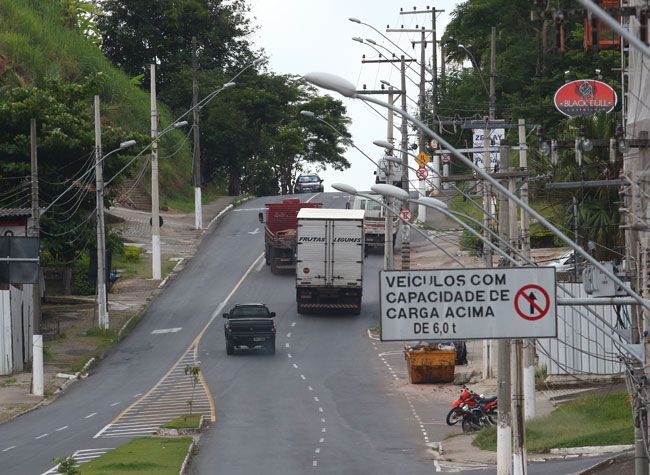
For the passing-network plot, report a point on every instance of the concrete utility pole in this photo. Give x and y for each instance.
(388, 235)
(196, 158)
(102, 307)
(406, 242)
(529, 345)
(155, 200)
(493, 73)
(504, 427)
(488, 345)
(35, 228)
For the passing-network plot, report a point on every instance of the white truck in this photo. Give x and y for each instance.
(374, 222)
(329, 260)
(382, 172)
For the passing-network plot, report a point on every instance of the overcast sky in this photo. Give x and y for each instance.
(302, 36)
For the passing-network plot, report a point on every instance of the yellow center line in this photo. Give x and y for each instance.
(195, 348)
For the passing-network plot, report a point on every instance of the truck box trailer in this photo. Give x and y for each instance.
(280, 233)
(374, 220)
(329, 263)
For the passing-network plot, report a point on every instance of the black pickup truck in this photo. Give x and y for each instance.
(249, 325)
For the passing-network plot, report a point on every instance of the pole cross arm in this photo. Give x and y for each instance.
(408, 30)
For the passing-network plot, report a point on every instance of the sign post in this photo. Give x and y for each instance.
(462, 304)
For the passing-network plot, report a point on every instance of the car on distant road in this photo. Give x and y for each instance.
(308, 183)
(567, 262)
(250, 325)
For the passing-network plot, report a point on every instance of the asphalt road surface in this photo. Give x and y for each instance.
(324, 402)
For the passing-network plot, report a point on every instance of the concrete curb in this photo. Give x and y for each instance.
(603, 463)
(220, 215)
(186, 461)
(592, 450)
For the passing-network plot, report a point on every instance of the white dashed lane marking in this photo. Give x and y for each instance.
(161, 331)
(41, 436)
(61, 428)
(9, 448)
(90, 415)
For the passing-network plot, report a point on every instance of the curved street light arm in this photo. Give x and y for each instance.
(475, 63)
(347, 89)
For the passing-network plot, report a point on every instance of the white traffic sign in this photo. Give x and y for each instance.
(446, 158)
(405, 214)
(460, 304)
(421, 173)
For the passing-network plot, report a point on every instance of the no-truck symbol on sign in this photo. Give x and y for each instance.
(532, 302)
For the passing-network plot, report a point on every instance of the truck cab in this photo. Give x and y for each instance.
(249, 325)
(374, 220)
(382, 172)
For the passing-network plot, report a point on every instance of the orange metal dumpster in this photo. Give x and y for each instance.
(430, 366)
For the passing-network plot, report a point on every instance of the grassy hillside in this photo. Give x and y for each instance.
(34, 44)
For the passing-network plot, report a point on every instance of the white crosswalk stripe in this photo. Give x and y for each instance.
(81, 456)
(168, 400)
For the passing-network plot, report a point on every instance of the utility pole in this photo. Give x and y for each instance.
(102, 308)
(35, 228)
(504, 427)
(196, 158)
(421, 140)
(155, 199)
(388, 235)
(529, 345)
(488, 345)
(406, 242)
(493, 73)
(520, 466)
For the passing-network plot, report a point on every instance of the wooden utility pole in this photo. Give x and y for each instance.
(155, 199)
(102, 307)
(196, 158)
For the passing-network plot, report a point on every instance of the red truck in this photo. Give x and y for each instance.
(280, 233)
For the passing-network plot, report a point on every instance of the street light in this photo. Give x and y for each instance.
(347, 89)
(350, 190)
(102, 300)
(475, 63)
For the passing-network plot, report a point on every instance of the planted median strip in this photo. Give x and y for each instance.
(159, 455)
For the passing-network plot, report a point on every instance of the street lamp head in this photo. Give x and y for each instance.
(390, 191)
(332, 82)
(432, 202)
(393, 159)
(357, 39)
(127, 144)
(371, 41)
(229, 85)
(178, 125)
(350, 190)
(309, 114)
(384, 144)
(354, 20)
(258, 61)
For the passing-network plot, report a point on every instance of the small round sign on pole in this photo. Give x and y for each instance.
(433, 144)
(422, 173)
(405, 214)
(446, 159)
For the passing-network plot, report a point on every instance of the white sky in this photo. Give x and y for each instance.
(302, 36)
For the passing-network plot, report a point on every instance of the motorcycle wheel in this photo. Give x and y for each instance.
(454, 417)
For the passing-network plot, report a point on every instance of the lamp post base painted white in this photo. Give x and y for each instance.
(422, 210)
(102, 310)
(504, 450)
(529, 392)
(37, 365)
(155, 257)
(198, 211)
(436, 175)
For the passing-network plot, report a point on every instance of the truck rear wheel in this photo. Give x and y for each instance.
(230, 348)
(274, 269)
(270, 348)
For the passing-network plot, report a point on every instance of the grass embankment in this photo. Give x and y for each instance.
(183, 422)
(146, 455)
(587, 421)
(35, 44)
(136, 264)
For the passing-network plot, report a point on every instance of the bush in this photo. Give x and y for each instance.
(132, 253)
(469, 242)
(81, 284)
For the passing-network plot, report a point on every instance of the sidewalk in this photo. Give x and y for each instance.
(456, 451)
(75, 315)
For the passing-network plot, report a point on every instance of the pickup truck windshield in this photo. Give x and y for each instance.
(249, 312)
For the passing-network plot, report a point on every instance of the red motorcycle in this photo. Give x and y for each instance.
(473, 410)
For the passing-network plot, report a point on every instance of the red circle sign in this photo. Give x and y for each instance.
(422, 173)
(532, 302)
(405, 214)
(446, 158)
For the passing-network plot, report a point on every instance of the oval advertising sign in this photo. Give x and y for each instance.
(585, 97)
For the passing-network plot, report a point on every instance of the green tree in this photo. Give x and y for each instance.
(256, 137)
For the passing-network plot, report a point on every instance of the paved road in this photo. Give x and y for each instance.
(325, 402)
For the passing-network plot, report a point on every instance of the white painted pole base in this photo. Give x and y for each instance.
(37, 365)
(529, 392)
(487, 358)
(504, 450)
(445, 172)
(422, 210)
(155, 257)
(519, 464)
(436, 175)
(198, 211)
(102, 310)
